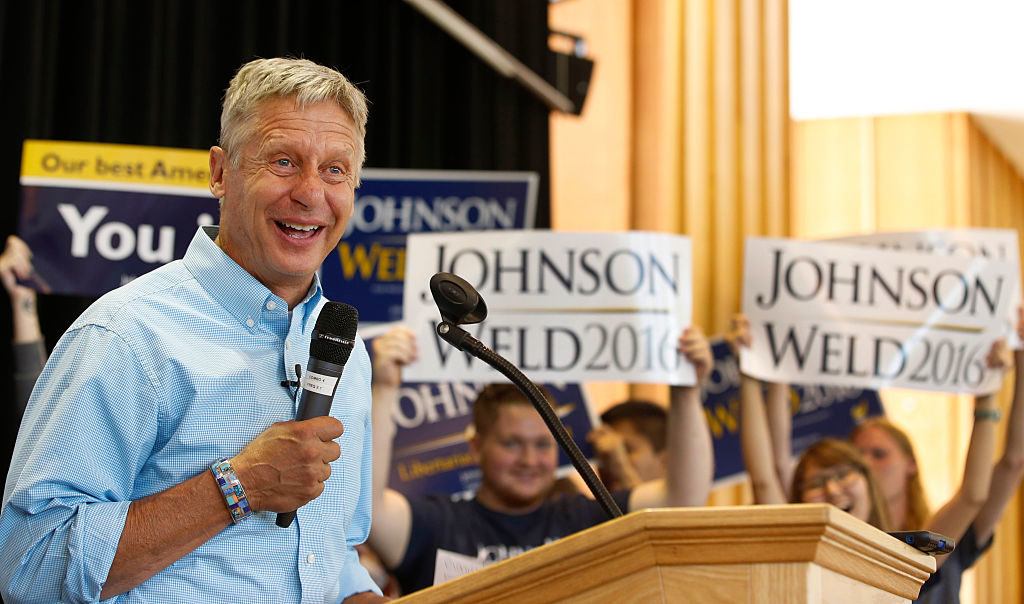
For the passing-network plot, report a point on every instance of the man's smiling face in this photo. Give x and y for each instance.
(285, 206)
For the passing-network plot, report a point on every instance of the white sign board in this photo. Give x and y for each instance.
(995, 244)
(828, 313)
(562, 307)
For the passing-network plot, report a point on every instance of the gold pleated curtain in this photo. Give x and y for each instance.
(732, 167)
(712, 144)
(940, 170)
(997, 194)
(687, 130)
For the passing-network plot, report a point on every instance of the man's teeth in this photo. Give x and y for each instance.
(300, 227)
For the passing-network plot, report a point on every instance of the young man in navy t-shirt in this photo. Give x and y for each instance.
(512, 511)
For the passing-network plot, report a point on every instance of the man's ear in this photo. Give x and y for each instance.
(218, 162)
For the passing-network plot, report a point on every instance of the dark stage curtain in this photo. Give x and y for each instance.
(154, 72)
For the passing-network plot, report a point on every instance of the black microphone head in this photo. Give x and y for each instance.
(335, 333)
(458, 301)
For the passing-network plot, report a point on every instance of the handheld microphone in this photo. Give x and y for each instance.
(333, 338)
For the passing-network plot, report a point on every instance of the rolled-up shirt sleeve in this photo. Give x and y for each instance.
(89, 427)
(354, 578)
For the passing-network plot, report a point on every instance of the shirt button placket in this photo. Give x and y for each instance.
(309, 576)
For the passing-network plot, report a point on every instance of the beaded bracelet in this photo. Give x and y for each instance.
(987, 414)
(231, 488)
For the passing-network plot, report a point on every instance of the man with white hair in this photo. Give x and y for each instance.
(159, 443)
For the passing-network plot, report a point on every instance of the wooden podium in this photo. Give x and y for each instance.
(756, 554)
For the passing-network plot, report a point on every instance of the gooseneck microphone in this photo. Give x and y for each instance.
(461, 304)
(333, 338)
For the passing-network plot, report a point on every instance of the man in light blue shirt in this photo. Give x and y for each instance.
(160, 425)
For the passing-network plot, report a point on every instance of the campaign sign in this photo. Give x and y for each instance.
(853, 316)
(818, 412)
(97, 216)
(368, 268)
(106, 238)
(563, 307)
(996, 244)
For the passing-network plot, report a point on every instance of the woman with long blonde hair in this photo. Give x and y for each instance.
(833, 471)
(888, 451)
(972, 513)
(876, 479)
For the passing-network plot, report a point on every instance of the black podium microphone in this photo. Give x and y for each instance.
(461, 304)
(333, 338)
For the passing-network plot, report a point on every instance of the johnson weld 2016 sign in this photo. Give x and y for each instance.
(849, 315)
(563, 307)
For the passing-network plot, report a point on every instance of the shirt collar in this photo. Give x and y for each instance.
(232, 286)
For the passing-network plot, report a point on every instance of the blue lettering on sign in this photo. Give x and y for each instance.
(90, 241)
(367, 269)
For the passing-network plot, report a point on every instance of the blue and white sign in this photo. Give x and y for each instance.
(368, 268)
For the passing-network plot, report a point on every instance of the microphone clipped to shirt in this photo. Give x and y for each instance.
(333, 339)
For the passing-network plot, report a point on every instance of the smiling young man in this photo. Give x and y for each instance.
(512, 511)
(158, 444)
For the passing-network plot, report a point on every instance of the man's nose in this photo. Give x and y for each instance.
(309, 188)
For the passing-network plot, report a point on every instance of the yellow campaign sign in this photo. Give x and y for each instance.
(108, 163)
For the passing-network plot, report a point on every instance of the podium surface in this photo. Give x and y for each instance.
(757, 554)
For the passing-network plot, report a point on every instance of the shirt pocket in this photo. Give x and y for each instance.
(217, 406)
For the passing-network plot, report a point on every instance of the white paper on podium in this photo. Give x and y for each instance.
(451, 565)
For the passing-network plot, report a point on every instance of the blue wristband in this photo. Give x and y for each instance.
(992, 415)
(234, 494)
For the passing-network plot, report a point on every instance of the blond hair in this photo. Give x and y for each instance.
(301, 79)
(831, 452)
(918, 511)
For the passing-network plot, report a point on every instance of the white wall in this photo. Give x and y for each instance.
(874, 57)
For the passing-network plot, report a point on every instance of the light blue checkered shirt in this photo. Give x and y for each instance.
(147, 388)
